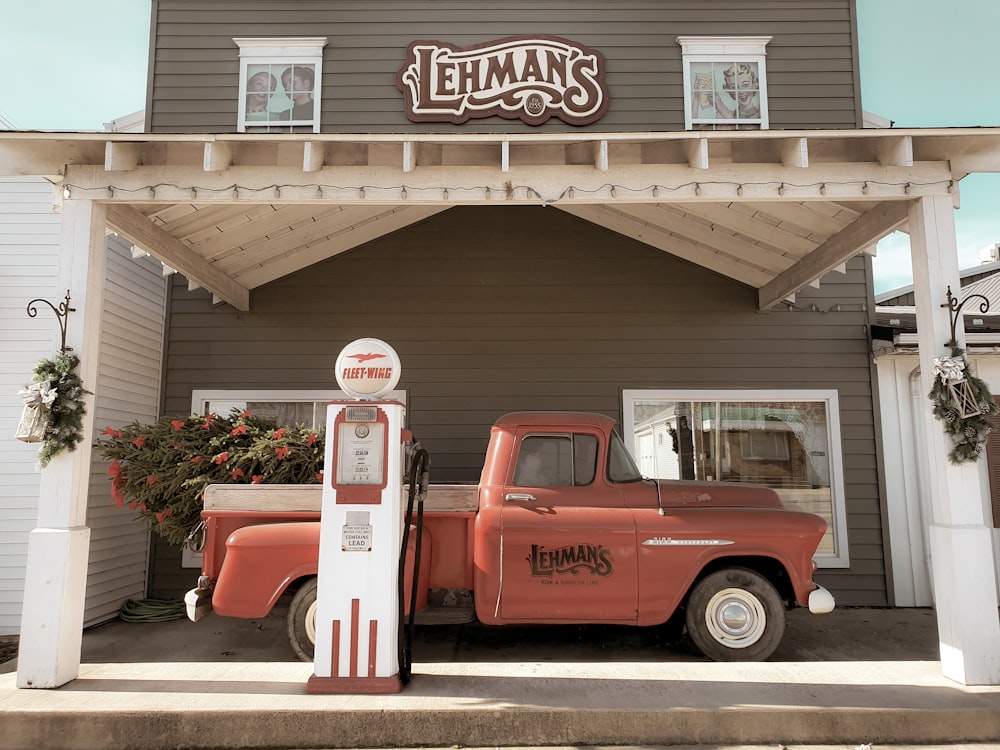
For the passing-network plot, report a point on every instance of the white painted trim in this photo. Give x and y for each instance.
(724, 46)
(841, 556)
(200, 396)
(908, 503)
(260, 46)
(723, 49)
(304, 51)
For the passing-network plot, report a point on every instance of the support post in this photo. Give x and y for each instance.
(58, 548)
(961, 543)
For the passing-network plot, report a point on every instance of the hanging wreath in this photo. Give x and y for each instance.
(962, 402)
(53, 407)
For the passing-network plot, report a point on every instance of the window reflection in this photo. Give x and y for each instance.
(779, 444)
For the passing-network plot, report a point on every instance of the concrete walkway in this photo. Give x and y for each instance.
(854, 677)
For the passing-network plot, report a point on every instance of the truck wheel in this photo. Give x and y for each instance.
(302, 620)
(735, 614)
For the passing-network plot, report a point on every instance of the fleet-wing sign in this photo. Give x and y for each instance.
(526, 78)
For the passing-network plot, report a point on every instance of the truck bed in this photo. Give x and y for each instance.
(449, 518)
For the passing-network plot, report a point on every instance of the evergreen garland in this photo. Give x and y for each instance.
(161, 470)
(64, 430)
(967, 434)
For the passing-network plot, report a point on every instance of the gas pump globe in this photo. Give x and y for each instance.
(361, 528)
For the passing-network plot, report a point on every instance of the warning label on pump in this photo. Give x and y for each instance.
(357, 539)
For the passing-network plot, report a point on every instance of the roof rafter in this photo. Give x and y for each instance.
(658, 237)
(135, 227)
(862, 232)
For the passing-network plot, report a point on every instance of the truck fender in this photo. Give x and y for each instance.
(260, 563)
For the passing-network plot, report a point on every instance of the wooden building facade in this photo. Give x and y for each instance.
(659, 210)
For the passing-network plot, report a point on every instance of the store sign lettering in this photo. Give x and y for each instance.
(526, 78)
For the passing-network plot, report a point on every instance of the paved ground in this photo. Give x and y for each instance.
(843, 635)
(852, 678)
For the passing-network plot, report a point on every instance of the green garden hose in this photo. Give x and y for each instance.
(151, 610)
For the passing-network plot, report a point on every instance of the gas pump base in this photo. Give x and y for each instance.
(354, 685)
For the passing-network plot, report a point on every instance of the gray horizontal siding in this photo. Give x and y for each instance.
(502, 309)
(810, 63)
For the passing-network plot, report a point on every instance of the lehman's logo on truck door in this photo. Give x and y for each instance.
(570, 559)
(530, 78)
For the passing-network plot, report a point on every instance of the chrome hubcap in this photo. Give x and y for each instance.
(735, 618)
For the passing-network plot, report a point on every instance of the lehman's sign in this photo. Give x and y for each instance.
(527, 78)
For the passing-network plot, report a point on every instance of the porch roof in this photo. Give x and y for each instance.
(776, 210)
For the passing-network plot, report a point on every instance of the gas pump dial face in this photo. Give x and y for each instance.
(361, 455)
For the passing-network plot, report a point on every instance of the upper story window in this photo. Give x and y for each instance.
(279, 84)
(725, 82)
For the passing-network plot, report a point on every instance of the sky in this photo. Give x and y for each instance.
(924, 63)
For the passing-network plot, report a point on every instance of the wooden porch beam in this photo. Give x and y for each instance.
(601, 155)
(313, 156)
(135, 227)
(895, 152)
(121, 156)
(218, 156)
(865, 231)
(795, 152)
(697, 153)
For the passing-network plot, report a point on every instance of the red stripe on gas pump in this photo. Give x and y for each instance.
(355, 621)
(372, 646)
(335, 658)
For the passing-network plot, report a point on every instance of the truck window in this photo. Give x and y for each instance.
(556, 461)
(584, 459)
(621, 468)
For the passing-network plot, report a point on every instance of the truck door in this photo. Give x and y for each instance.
(568, 546)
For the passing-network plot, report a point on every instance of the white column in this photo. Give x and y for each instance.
(961, 542)
(58, 548)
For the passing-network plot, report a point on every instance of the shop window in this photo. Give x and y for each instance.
(280, 84)
(725, 83)
(786, 440)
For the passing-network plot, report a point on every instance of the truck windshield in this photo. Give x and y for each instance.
(621, 467)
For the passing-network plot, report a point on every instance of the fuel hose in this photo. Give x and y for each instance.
(419, 478)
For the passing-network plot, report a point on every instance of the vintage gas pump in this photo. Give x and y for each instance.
(361, 528)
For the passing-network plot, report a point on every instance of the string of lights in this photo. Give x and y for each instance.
(507, 191)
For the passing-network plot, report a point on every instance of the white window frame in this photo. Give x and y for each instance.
(240, 396)
(724, 49)
(840, 558)
(283, 52)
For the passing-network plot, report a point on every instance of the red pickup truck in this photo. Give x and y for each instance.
(562, 528)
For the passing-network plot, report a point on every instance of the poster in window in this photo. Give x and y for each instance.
(280, 93)
(725, 91)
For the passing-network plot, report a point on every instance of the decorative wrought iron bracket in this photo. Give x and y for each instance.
(955, 309)
(62, 312)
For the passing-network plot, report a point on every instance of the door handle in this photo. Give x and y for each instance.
(519, 497)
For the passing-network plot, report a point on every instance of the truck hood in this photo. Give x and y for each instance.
(679, 493)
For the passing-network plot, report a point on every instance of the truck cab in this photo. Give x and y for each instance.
(569, 531)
